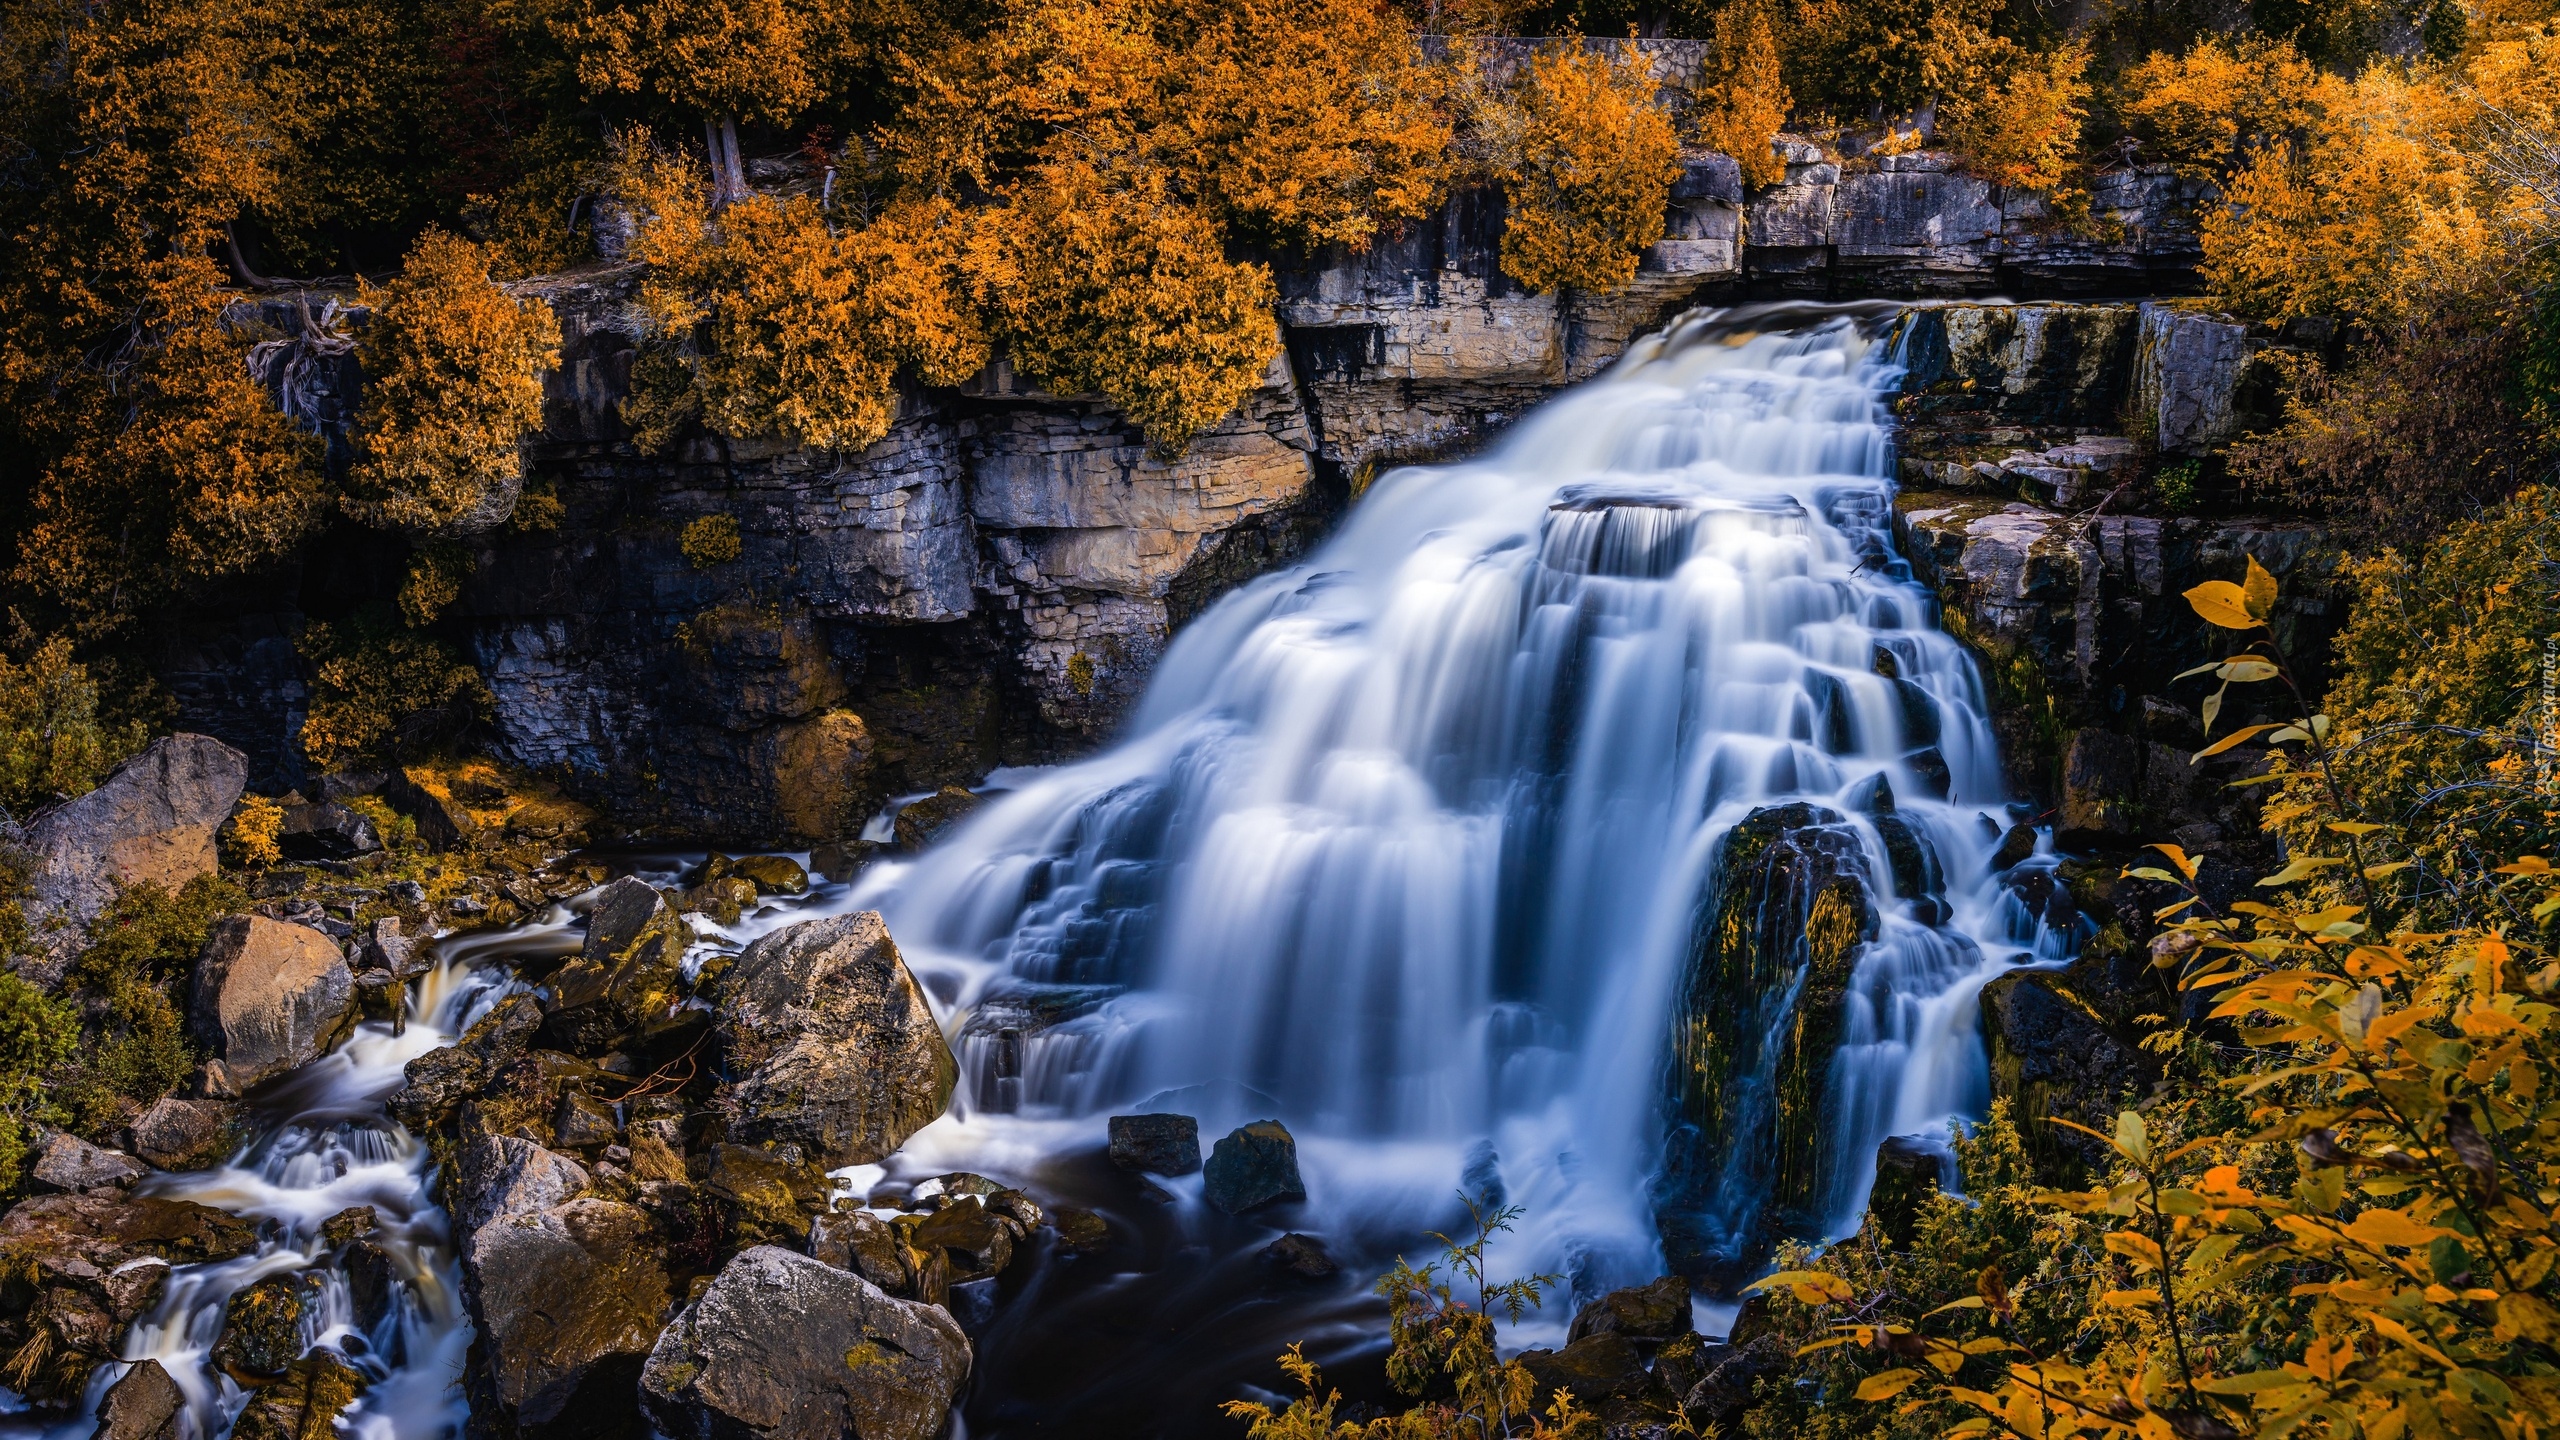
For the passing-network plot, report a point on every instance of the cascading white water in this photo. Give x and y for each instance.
(1408, 845)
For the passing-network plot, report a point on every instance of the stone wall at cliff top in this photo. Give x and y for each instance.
(993, 581)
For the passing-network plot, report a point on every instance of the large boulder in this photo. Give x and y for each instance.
(93, 1264)
(262, 1326)
(568, 1300)
(177, 1134)
(2197, 378)
(68, 1162)
(152, 820)
(786, 1347)
(1255, 1165)
(626, 979)
(1655, 1311)
(269, 997)
(303, 1404)
(833, 1043)
(503, 1175)
(2053, 1054)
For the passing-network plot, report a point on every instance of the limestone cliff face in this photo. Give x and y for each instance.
(993, 581)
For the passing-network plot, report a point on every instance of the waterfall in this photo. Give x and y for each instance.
(1436, 846)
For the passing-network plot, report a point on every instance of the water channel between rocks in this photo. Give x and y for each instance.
(1604, 826)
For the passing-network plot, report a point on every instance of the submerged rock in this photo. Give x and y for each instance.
(1302, 1255)
(269, 998)
(1156, 1144)
(835, 1048)
(444, 1077)
(1254, 1166)
(785, 1347)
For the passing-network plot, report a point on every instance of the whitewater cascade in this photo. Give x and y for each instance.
(1415, 846)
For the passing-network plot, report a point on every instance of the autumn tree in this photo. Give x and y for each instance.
(2013, 113)
(452, 368)
(1743, 98)
(723, 60)
(1586, 162)
(2219, 105)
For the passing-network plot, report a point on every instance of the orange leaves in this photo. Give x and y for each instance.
(2218, 103)
(2015, 114)
(1586, 163)
(453, 369)
(1742, 96)
(750, 59)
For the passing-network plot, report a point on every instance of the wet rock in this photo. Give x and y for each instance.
(2052, 1054)
(132, 1289)
(1907, 1170)
(834, 1045)
(1598, 1369)
(978, 1240)
(770, 874)
(866, 1245)
(268, 998)
(2016, 844)
(1730, 1384)
(262, 1326)
(91, 1264)
(349, 1225)
(627, 977)
(303, 1404)
(382, 947)
(152, 819)
(444, 1077)
(785, 1347)
(1079, 1232)
(326, 831)
(724, 899)
(1655, 1311)
(503, 1175)
(568, 1301)
(68, 1162)
(583, 1122)
(1790, 909)
(373, 1282)
(921, 822)
(772, 1194)
(1156, 1144)
(1254, 1166)
(107, 1231)
(2101, 789)
(1301, 1255)
(144, 1405)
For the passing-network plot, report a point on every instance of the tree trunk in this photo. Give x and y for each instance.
(737, 166)
(719, 165)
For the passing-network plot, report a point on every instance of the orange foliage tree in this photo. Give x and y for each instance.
(1743, 97)
(1586, 161)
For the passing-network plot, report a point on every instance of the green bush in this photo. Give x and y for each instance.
(132, 981)
(37, 1033)
(52, 742)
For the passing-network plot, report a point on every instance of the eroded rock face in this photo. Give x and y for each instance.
(2200, 379)
(834, 1045)
(444, 1077)
(785, 1347)
(568, 1298)
(2053, 1053)
(269, 997)
(98, 1262)
(152, 820)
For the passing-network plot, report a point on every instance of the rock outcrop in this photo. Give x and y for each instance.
(269, 998)
(93, 1264)
(627, 978)
(2054, 1054)
(834, 1046)
(784, 1347)
(152, 820)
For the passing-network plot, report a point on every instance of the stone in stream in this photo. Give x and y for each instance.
(144, 1405)
(834, 1046)
(1301, 1255)
(568, 1300)
(68, 1162)
(262, 1326)
(1254, 1166)
(446, 1076)
(303, 1404)
(921, 822)
(269, 998)
(1156, 1144)
(626, 979)
(771, 874)
(863, 1244)
(1655, 1311)
(1792, 906)
(783, 1347)
(1907, 1169)
(153, 819)
(1599, 1370)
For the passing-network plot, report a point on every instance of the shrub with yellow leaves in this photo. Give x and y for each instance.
(2371, 1253)
(453, 383)
(381, 691)
(1742, 95)
(1586, 161)
(2012, 113)
(53, 745)
(1107, 284)
(2218, 105)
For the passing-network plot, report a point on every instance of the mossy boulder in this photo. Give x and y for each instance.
(2054, 1054)
(303, 1404)
(626, 978)
(262, 1326)
(1776, 938)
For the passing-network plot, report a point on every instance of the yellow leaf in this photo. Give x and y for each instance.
(2391, 1329)
(2353, 827)
(2526, 865)
(1886, 1385)
(2226, 742)
(2258, 591)
(2140, 1249)
(2391, 1227)
(2128, 1299)
(2222, 603)
(2523, 1315)
(2376, 872)
(2302, 867)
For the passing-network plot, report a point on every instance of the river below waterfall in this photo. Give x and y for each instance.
(1426, 848)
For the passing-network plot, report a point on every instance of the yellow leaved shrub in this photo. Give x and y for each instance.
(1586, 161)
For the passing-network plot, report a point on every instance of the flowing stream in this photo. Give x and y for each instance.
(1414, 847)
